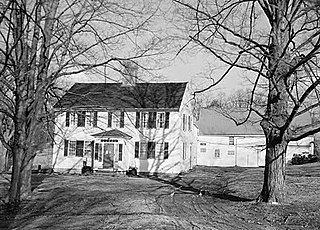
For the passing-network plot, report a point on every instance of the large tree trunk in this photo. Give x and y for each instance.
(274, 174)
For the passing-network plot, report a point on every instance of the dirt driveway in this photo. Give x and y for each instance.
(205, 198)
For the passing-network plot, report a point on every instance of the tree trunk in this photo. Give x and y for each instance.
(274, 173)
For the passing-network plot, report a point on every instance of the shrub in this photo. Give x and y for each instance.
(299, 159)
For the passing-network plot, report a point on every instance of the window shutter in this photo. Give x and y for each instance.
(120, 152)
(109, 119)
(66, 144)
(166, 150)
(149, 120)
(137, 120)
(121, 119)
(95, 119)
(67, 119)
(136, 149)
(166, 124)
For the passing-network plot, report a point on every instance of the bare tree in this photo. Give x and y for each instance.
(277, 43)
(42, 41)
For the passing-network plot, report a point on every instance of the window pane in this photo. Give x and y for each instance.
(87, 147)
(184, 122)
(95, 119)
(145, 120)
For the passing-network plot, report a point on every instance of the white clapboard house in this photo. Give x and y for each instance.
(115, 126)
(223, 143)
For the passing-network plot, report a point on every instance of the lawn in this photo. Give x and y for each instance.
(204, 198)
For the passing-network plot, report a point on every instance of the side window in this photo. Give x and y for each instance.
(166, 150)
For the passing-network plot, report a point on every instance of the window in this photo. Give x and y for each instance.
(230, 153)
(72, 148)
(151, 150)
(217, 153)
(203, 144)
(203, 150)
(160, 120)
(166, 150)
(120, 152)
(121, 119)
(231, 140)
(91, 118)
(145, 117)
(98, 152)
(184, 151)
(79, 148)
(73, 118)
(109, 119)
(184, 122)
(87, 148)
(136, 150)
(81, 118)
(152, 121)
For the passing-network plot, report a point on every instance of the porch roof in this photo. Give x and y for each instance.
(114, 133)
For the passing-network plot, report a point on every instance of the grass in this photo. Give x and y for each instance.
(204, 198)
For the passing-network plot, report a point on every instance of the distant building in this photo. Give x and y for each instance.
(114, 126)
(223, 143)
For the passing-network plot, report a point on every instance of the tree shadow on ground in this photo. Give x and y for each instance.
(8, 212)
(220, 193)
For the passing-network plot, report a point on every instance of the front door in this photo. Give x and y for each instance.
(108, 155)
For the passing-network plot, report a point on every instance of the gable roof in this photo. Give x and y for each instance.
(118, 96)
(114, 133)
(214, 123)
